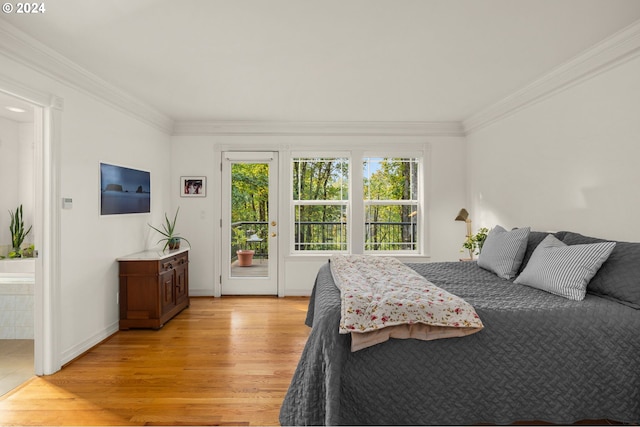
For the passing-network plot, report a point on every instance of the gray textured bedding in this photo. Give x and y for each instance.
(539, 357)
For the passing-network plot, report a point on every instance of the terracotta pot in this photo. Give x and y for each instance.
(245, 257)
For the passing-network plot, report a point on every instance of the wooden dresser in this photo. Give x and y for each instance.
(154, 287)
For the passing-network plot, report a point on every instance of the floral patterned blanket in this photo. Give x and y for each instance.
(382, 292)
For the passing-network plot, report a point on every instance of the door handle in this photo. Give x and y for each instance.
(273, 234)
(273, 223)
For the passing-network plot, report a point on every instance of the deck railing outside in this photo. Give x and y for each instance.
(250, 228)
(323, 236)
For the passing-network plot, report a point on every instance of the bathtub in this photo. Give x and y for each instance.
(17, 281)
(17, 265)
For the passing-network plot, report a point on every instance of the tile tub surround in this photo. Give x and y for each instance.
(17, 265)
(16, 299)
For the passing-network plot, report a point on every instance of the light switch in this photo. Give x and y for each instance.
(67, 203)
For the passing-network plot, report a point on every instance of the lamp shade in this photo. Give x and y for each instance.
(463, 215)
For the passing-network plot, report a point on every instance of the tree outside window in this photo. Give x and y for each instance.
(390, 206)
(320, 203)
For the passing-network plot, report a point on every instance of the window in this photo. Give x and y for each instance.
(320, 203)
(391, 204)
(374, 209)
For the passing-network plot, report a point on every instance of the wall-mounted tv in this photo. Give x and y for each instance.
(124, 190)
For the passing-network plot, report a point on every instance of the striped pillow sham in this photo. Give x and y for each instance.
(503, 250)
(562, 269)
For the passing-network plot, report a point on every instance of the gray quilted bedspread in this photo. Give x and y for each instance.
(540, 357)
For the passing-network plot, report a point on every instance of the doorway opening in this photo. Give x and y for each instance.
(249, 223)
(18, 142)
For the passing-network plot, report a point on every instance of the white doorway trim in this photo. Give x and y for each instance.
(265, 281)
(47, 125)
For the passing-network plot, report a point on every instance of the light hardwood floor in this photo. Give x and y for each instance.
(222, 361)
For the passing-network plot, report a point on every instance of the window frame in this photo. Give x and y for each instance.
(418, 202)
(356, 204)
(334, 202)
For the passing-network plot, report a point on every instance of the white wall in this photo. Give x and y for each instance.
(447, 195)
(16, 176)
(91, 132)
(196, 156)
(25, 176)
(445, 181)
(94, 133)
(9, 155)
(569, 162)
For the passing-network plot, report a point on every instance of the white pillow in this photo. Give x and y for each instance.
(503, 250)
(563, 269)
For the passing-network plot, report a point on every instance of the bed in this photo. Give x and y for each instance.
(539, 357)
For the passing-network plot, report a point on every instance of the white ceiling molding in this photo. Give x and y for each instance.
(318, 128)
(18, 90)
(26, 50)
(603, 56)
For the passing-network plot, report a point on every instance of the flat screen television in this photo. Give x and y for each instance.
(124, 190)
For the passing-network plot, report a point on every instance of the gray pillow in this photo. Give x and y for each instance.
(503, 250)
(535, 237)
(619, 278)
(562, 269)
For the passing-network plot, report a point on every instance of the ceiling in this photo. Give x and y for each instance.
(8, 106)
(323, 60)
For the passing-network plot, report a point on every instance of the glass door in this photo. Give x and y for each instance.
(249, 223)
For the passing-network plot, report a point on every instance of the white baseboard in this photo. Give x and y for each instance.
(81, 348)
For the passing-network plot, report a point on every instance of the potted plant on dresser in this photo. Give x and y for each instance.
(171, 238)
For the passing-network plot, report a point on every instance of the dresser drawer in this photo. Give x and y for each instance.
(173, 262)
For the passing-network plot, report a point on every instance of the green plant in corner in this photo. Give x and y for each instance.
(474, 243)
(171, 238)
(239, 238)
(17, 233)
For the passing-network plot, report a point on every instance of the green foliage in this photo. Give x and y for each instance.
(18, 234)
(474, 243)
(250, 192)
(169, 231)
(388, 226)
(321, 179)
(391, 179)
(249, 202)
(239, 237)
(323, 226)
(29, 251)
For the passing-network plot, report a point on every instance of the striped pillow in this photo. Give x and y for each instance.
(503, 250)
(562, 269)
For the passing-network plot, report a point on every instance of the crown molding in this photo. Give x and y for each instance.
(18, 90)
(603, 56)
(609, 53)
(317, 128)
(24, 49)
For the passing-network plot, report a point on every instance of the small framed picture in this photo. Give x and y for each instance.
(193, 186)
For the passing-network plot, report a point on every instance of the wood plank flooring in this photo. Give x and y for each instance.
(222, 361)
(259, 268)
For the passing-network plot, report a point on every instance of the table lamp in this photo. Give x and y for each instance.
(463, 215)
